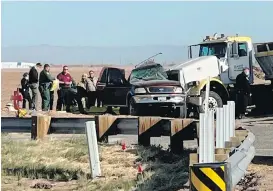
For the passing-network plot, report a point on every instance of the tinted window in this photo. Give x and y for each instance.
(242, 49)
(114, 74)
(261, 48)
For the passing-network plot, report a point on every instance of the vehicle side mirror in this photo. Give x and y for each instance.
(235, 51)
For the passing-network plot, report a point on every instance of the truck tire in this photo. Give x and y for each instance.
(214, 101)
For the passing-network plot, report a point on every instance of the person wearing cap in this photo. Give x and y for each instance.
(33, 84)
(25, 90)
(243, 92)
(45, 81)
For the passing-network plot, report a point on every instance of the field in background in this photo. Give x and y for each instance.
(11, 79)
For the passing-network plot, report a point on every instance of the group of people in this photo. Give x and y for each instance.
(69, 93)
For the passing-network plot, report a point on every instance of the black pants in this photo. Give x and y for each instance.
(51, 100)
(62, 98)
(91, 99)
(242, 103)
(26, 97)
(99, 98)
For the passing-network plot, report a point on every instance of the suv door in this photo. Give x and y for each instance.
(116, 89)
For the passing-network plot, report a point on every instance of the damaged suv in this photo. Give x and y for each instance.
(146, 92)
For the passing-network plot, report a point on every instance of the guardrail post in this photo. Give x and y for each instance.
(145, 126)
(93, 149)
(231, 105)
(226, 123)
(177, 136)
(220, 143)
(40, 126)
(202, 148)
(105, 124)
(211, 139)
(210, 176)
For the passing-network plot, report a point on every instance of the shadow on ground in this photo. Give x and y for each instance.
(268, 160)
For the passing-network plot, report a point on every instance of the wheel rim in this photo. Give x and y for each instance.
(212, 104)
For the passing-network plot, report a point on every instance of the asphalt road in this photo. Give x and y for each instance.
(262, 128)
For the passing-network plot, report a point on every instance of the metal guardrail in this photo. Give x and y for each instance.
(64, 125)
(240, 155)
(241, 159)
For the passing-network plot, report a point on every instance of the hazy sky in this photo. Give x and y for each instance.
(131, 23)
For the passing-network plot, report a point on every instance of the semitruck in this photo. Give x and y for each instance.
(222, 58)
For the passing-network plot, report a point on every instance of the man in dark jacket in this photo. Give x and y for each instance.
(45, 82)
(33, 84)
(25, 91)
(243, 92)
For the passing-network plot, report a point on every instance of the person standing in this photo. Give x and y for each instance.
(65, 81)
(243, 92)
(33, 84)
(25, 91)
(45, 81)
(92, 93)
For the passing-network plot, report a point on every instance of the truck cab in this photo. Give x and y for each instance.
(221, 58)
(147, 87)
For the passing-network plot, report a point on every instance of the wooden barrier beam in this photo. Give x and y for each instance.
(104, 123)
(145, 125)
(241, 133)
(177, 136)
(193, 158)
(221, 157)
(222, 150)
(40, 126)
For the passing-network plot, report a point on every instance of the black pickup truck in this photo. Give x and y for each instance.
(146, 92)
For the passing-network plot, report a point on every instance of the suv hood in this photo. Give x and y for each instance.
(156, 83)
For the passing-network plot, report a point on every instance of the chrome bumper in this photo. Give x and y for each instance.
(160, 99)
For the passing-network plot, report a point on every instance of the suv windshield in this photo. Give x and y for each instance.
(155, 72)
(215, 49)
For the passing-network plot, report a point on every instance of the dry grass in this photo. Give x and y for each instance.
(64, 165)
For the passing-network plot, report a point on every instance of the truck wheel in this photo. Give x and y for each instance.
(132, 110)
(214, 101)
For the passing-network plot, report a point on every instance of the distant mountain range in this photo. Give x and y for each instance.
(93, 55)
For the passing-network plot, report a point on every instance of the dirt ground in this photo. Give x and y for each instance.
(11, 80)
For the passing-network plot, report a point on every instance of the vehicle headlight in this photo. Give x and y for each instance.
(177, 90)
(140, 91)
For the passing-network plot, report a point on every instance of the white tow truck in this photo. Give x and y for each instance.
(222, 58)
